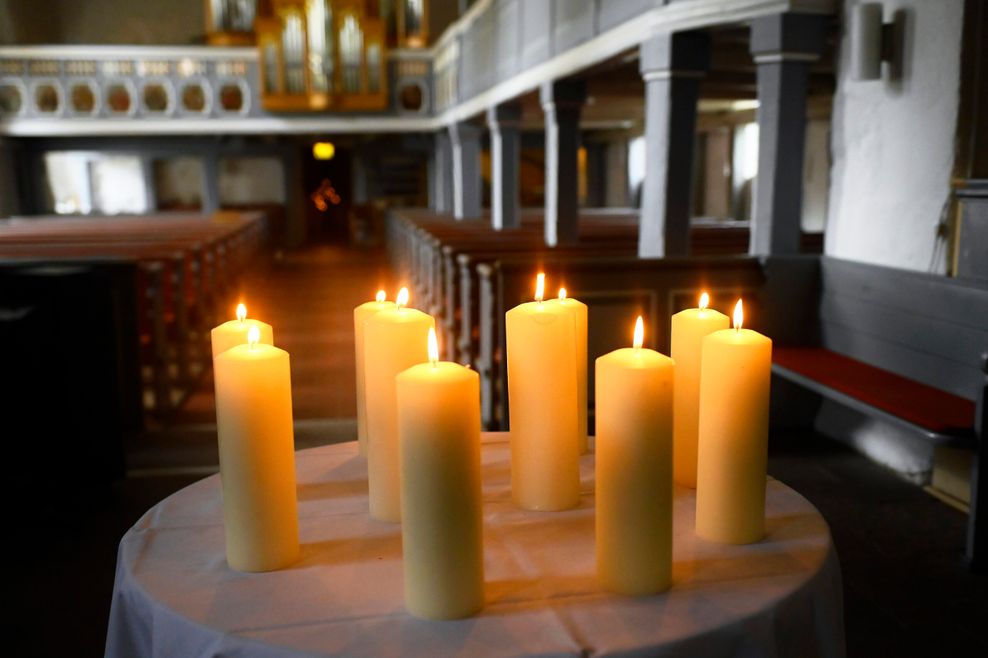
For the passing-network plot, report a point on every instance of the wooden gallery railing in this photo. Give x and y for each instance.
(173, 278)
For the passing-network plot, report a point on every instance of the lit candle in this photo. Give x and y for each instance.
(360, 315)
(394, 339)
(634, 469)
(733, 434)
(542, 398)
(579, 312)
(234, 332)
(257, 455)
(688, 330)
(441, 511)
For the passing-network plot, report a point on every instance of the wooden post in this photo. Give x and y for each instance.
(465, 138)
(673, 66)
(783, 46)
(561, 103)
(441, 178)
(977, 528)
(504, 122)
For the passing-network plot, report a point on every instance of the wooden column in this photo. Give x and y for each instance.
(673, 66)
(783, 47)
(465, 138)
(977, 529)
(617, 189)
(596, 174)
(441, 174)
(9, 197)
(358, 175)
(561, 103)
(504, 122)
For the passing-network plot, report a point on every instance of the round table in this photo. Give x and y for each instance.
(175, 595)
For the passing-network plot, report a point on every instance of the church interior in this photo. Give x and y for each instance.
(816, 171)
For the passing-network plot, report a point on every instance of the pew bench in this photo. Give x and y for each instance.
(182, 268)
(615, 289)
(906, 349)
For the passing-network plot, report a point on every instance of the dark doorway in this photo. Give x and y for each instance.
(327, 185)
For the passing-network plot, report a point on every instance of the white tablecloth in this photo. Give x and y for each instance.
(175, 596)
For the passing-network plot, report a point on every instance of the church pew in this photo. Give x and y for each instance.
(616, 289)
(185, 269)
(907, 351)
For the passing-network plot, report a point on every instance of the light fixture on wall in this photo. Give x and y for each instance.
(871, 41)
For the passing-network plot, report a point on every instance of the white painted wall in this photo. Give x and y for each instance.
(892, 143)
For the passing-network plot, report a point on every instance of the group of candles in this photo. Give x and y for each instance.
(699, 418)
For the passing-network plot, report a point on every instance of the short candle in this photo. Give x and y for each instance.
(234, 332)
(542, 397)
(360, 315)
(441, 510)
(579, 312)
(689, 327)
(257, 455)
(394, 339)
(733, 434)
(634, 469)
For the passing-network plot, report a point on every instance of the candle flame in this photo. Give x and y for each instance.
(562, 293)
(253, 336)
(639, 333)
(704, 300)
(241, 313)
(381, 296)
(539, 286)
(738, 316)
(402, 300)
(433, 347)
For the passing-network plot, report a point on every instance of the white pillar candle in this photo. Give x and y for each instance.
(579, 312)
(394, 340)
(234, 332)
(360, 315)
(542, 397)
(257, 455)
(634, 469)
(733, 433)
(441, 510)
(688, 330)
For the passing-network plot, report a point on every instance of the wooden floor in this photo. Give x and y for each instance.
(907, 590)
(308, 296)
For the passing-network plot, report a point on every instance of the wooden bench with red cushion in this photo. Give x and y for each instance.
(907, 348)
(943, 417)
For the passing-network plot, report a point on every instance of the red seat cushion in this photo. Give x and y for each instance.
(921, 405)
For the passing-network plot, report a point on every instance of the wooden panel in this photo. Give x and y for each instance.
(931, 296)
(574, 23)
(972, 257)
(940, 338)
(536, 32)
(612, 13)
(926, 327)
(506, 32)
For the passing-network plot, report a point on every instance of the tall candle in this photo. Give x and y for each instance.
(542, 398)
(257, 455)
(234, 332)
(689, 327)
(634, 469)
(394, 340)
(360, 315)
(579, 312)
(733, 435)
(441, 511)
